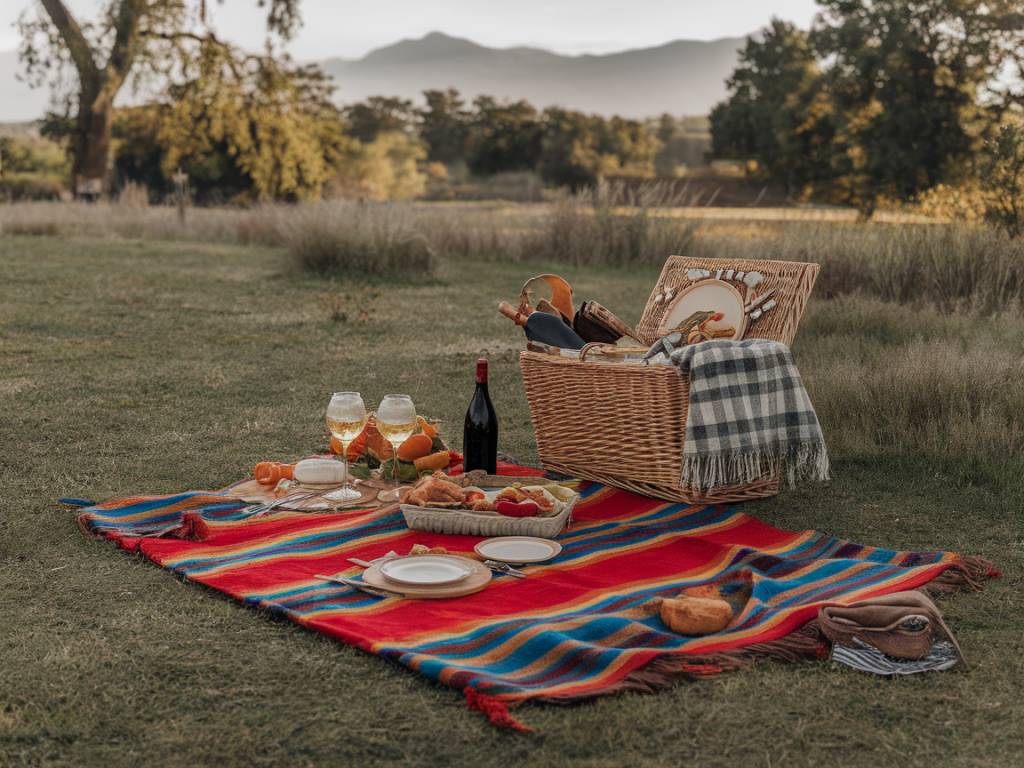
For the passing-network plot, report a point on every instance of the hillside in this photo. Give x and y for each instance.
(684, 77)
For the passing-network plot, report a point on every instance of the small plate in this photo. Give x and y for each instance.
(426, 570)
(518, 550)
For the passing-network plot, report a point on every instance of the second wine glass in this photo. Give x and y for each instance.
(396, 421)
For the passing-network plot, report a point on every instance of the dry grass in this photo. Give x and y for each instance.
(950, 266)
(947, 265)
(947, 388)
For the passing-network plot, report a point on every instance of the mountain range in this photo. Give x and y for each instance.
(683, 77)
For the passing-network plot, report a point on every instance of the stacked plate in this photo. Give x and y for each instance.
(427, 570)
(429, 576)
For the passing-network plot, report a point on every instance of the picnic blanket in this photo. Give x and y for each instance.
(749, 415)
(577, 627)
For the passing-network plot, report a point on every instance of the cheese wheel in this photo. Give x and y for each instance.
(320, 471)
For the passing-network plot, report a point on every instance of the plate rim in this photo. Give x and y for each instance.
(555, 547)
(467, 572)
(661, 330)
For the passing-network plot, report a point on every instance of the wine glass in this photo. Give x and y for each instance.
(346, 417)
(396, 421)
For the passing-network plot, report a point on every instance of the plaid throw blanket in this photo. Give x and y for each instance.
(577, 627)
(749, 415)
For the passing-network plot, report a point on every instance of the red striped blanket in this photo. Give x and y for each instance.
(574, 628)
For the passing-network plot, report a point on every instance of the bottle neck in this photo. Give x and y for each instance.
(481, 372)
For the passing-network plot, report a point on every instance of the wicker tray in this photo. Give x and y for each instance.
(469, 523)
(624, 424)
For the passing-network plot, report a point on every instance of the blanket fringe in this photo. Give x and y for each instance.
(966, 574)
(495, 709)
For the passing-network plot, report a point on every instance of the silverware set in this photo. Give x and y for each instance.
(262, 509)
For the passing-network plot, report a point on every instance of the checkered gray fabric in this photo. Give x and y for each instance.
(749, 415)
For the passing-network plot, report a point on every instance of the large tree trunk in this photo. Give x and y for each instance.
(91, 149)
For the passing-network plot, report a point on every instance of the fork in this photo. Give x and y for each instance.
(500, 567)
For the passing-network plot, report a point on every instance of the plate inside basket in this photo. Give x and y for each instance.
(707, 296)
(426, 570)
(518, 550)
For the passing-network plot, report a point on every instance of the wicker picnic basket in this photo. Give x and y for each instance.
(623, 424)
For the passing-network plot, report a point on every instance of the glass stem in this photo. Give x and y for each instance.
(344, 460)
(394, 462)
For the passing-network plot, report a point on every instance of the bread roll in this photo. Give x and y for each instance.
(696, 615)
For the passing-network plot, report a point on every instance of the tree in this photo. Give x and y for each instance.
(379, 114)
(1003, 180)
(139, 39)
(444, 124)
(503, 137)
(916, 88)
(569, 155)
(271, 124)
(775, 114)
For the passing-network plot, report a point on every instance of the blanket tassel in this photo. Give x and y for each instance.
(967, 574)
(495, 709)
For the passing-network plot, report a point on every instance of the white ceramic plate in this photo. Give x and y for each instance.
(518, 550)
(707, 296)
(426, 570)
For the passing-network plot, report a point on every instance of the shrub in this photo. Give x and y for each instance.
(16, 187)
(360, 238)
(609, 224)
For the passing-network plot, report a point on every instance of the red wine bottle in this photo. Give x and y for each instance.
(480, 435)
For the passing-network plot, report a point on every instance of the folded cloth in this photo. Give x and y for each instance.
(749, 415)
(867, 658)
(902, 625)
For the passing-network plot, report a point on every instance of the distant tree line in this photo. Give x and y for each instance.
(276, 135)
(880, 99)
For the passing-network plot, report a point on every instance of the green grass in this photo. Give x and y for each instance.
(143, 366)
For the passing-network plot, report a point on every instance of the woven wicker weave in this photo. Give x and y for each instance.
(624, 424)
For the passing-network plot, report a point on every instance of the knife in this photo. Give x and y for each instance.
(361, 586)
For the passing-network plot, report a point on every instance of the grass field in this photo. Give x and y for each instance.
(153, 366)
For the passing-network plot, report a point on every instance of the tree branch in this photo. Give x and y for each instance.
(126, 43)
(78, 47)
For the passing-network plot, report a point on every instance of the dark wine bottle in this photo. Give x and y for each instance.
(480, 435)
(544, 328)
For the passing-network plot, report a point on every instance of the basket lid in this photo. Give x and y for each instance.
(774, 293)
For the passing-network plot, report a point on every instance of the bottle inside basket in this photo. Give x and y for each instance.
(480, 435)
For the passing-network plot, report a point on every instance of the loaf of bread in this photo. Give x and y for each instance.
(695, 615)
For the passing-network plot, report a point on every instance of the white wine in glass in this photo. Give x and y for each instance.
(346, 417)
(396, 421)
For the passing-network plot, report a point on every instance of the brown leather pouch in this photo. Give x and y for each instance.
(901, 625)
(594, 322)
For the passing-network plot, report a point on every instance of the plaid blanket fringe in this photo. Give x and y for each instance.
(748, 417)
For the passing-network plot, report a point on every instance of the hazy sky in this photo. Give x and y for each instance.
(350, 28)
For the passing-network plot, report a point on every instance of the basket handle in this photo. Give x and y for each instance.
(587, 348)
